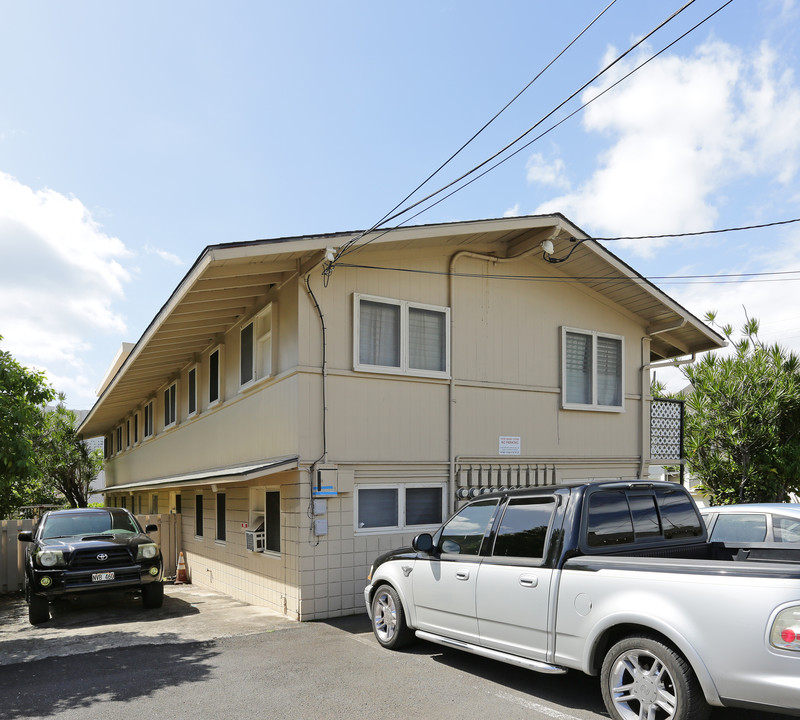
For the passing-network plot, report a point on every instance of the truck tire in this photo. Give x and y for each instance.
(38, 609)
(389, 619)
(644, 678)
(153, 595)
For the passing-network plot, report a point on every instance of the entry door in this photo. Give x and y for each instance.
(513, 589)
(444, 583)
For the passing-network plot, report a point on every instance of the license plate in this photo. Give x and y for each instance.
(100, 577)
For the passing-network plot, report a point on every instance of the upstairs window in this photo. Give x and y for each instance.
(170, 405)
(136, 428)
(591, 370)
(397, 336)
(119, 439)
(148, 420)
(213, 377)
(191, 389)
(246, 355)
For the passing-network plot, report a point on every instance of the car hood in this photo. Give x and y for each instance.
(91, 542)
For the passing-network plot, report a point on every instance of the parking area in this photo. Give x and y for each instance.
(114, 620)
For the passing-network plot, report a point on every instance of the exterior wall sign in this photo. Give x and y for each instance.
(510, 445)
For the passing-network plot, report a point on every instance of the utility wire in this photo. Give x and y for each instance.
(388, 215)
(699, 232)
(550, 129)
(722, 278)
(618, 59)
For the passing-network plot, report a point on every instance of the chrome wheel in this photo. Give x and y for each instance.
(384, 616)
(388, 619)
(642, 687)
(644, 678)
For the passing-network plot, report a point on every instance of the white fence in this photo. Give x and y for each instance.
(12, 552)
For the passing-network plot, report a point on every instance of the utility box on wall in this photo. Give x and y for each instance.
(332, 481)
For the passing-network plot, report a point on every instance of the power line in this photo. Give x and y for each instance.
(719, 279)
(388, 215)
(560, 122)
(349, 244)
(699, 232)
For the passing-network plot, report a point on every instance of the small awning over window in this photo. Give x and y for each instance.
(217, 476)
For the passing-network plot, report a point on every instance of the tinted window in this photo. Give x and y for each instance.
(740, 528)
(272, 516)
(678, 515)
(523, 529)
(786, 529)
(610, 520)
(464, 533)
(645, 516)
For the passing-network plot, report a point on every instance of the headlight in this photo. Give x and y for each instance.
(50, 558)
(147, 552)
(785, 633)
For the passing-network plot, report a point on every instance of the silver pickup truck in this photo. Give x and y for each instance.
(615, 579)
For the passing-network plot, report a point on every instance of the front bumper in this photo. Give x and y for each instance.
(62, 581)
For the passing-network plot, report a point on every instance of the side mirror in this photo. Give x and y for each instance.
(151, 528)
(423, 543)
(25, 536)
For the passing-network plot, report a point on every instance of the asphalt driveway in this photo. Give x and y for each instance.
(114, 620)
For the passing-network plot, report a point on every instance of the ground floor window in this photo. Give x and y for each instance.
(198, 516)
(265, 521)
(399, 506)
(221, 518)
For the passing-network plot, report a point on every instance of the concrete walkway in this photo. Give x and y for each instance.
(113, 620)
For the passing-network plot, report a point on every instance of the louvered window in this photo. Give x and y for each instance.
(592, 370)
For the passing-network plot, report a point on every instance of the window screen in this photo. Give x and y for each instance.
(426, 339)
(523, 530)
(609, 371)
(423, 505)
(578, 365)
(377, 507)
(379, 334)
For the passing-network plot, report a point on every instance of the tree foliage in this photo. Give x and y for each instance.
(23, 393)
(66, 464)
(743, 420)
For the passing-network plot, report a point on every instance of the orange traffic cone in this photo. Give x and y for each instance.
(180, 577)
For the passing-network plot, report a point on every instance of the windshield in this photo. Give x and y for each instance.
(90, 523)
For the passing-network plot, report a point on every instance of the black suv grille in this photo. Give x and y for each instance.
(88, 558)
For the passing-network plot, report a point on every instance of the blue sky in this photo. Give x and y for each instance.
(132, 135)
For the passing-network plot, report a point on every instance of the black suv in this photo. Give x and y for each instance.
(89, 550)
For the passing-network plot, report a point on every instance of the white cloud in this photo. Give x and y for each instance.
(59, 280)
(683, 130)
(546, 172)
(164, 255)
(512, 211)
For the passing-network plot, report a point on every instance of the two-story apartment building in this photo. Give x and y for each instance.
(301, 423)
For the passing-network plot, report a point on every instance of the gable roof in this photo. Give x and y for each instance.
(231, 281)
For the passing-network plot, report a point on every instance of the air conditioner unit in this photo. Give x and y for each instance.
(255, 540)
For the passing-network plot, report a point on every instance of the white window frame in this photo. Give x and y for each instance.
(170, 396)
(593, 406)
(118, 440)
(149, 410)
(189, 393)
(218, 399)
(405, 306)
(402, 526)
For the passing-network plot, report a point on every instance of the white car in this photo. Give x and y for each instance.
(758, 522)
